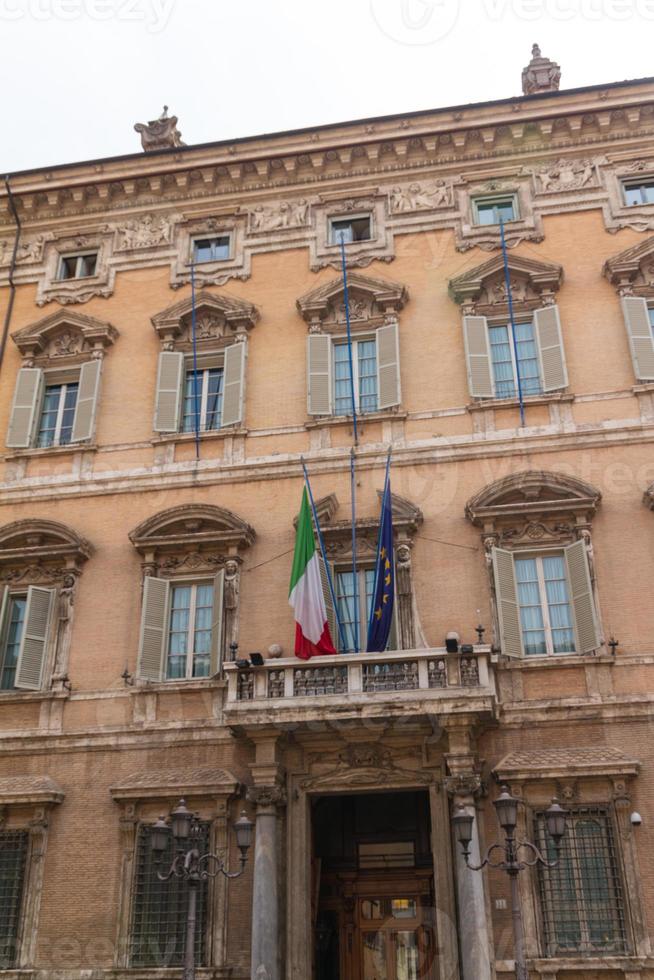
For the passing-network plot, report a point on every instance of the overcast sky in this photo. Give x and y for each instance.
(77, 74)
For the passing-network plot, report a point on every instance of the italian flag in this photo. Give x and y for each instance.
(305, 594)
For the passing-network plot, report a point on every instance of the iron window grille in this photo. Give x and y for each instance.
(158, 928)
(582, 898)
(13, 861)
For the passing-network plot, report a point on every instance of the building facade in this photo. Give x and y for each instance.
(142, 564)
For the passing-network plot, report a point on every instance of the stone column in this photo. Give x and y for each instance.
(265, 898)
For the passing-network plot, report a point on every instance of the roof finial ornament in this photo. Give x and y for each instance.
(541, 74)
(161, 133)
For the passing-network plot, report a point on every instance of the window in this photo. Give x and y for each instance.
(10, 640)
(492, 210)
(209, 400)
(582, 898)
(159, 909)
(640, 192)
(189, 630)
(352, 616)
(354, 229)
(364, 364)
(57, 415)
(13, 860)
(506, 365)
(216, 249)
(543, 599)
(77, 266)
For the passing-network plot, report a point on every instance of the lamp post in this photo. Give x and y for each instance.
(515, 856)
(194, 867)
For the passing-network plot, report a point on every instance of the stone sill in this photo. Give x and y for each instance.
(35, 452)
(643, 388)
(555, 965)
(15, 695)
(483, 404)
(362, 420)
(168, 687)
(556, 660)
(168, 437)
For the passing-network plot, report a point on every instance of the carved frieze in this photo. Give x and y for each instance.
(566, 175)
(277, 217)
(149, 231)
(416, 196)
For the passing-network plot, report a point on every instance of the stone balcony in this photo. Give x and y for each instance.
(401, 684)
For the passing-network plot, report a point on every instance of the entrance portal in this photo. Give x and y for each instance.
(373, 905)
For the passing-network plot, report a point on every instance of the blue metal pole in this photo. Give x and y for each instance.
(346, 301)
(355, 583)
(378, 566)
(509, 296)
(196, 399)
(321, 544)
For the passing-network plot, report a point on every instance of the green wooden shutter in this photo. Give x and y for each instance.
(234, 383)
(508, 611)
(547, 327)
(581, 594)
(170, 384)
(639, 331)
(87, 401)
(319, 374)
(154, 621)
(217, 625)
(388, 366)
(478, 358)
(28, 395)
(34, 641)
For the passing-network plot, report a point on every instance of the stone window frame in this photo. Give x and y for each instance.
(528, 226)
(477, 199)
(66, 291)
(221, 321)
(374, 303)
(617, 213)
(142, 798)
(380, 247)
(481, 291)
(407, 520)
(26, 804)
(35, 552)
(220, 271)
(631, 273)
(579, 776)
(59, 344)
(552, 510)
(193, 542)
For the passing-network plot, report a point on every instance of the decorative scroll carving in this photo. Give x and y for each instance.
(467, 784)
(267, 796)
(360, 755)
(159, 134)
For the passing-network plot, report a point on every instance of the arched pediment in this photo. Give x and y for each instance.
(64, 334)
(533, 492)
(483, 288)
(192, 527)
(35, 541)
(369, 299)
(218, 317)
(632, 271)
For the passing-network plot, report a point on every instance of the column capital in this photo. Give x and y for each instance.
(267, 797)
(464, 787)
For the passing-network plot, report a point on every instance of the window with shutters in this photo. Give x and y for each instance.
(188, 641)
(638, 191)
(582, 898)
(11, 635)
(492, 210)
(514, 358)
(631, 273)
(364, 369)
(201, 371)
(544, 599)
(57, 391)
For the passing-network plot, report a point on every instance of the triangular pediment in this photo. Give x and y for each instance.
(533, 491)
(216, 315)
(634, 265)
(64, 333)
(368, 298)
(487, 281)
(405, 515)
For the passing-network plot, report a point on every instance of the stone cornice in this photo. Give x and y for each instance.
(188, 783)
(17, 790)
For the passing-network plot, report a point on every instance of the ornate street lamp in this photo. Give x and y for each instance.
(194, 867)
(516, 855)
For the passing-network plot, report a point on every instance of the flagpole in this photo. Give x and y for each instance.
(509, 295)
(379, 540)
(346, 302)
(323, 553)
(195, 366)
(355, 583)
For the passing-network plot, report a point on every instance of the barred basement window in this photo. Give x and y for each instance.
(582, 898)
(13, 860)
(158, 927)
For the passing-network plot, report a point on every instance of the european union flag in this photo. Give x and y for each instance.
(381, 613)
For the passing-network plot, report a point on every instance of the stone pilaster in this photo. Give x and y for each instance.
(265, 963)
